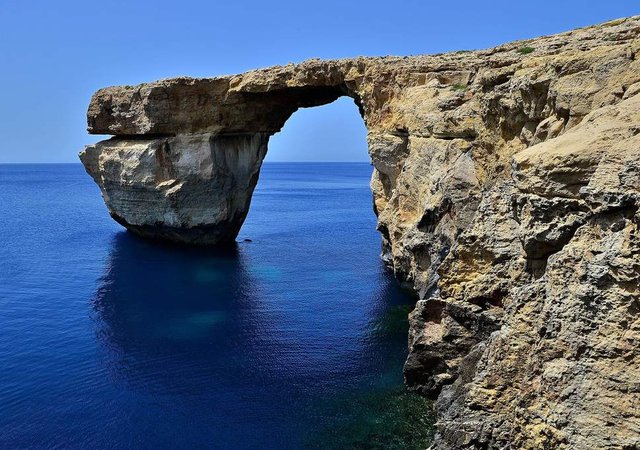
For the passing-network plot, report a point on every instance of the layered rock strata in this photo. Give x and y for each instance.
(506, 184)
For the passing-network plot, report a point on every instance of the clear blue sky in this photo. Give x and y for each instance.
(54, 54)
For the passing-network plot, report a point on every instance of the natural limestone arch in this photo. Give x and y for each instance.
(186, 153)
(506, 185)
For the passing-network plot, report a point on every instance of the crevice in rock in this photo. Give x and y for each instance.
(143, 137)
(536, 265)
(432, 216)
(492, 301)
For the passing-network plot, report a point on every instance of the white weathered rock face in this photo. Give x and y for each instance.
(193, 188)
(507, 188)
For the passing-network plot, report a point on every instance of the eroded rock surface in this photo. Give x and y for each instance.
(189, 188)
(506, 184)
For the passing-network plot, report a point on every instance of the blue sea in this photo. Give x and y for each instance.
(293, 339)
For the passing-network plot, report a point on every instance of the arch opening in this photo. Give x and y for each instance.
(318, 152)
(333, 132)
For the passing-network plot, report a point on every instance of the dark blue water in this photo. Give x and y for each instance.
(293, 340)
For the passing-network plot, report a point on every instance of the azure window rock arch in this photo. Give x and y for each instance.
(186, 153)
(487, 163)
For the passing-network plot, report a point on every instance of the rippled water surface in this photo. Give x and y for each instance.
(295, 339)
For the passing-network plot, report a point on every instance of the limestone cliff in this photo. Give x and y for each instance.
(506, 184)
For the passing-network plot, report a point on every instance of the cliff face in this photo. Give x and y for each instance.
(507, 186)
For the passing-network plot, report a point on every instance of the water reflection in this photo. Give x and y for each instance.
(207, 307)
(165, 314)
(246, 339)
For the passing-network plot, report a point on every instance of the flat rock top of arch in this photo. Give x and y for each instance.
(261, 100)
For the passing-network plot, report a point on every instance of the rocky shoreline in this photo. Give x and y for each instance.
(506, 184)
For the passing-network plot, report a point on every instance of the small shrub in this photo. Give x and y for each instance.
(526, 50)
(459, 87)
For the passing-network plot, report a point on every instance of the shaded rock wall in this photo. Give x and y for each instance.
(506, 183)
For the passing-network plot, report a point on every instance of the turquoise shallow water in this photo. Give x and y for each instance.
(293, 340)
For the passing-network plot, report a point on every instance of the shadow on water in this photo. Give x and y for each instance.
(164, 312)
(233, 349)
